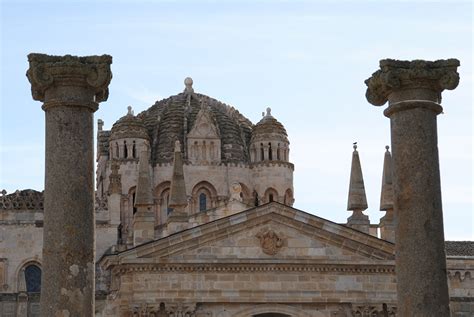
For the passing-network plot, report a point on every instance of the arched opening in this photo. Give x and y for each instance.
(288, 198)
(134, 150)
(134, 208)
(270, 154)
(33, 278)
(202, 202)
(162, 195)
(125, 149)
(270, 195)
(262, 152)
(117, 152)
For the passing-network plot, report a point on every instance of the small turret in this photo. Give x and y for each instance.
(357, 200)
(127, 136)
(269, 140)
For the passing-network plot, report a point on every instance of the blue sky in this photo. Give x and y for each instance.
(307, 60)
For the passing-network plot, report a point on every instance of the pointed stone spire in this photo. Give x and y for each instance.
(177, 219)
(144, 195)
(386, 197)
(357, 200)
(387, 222)
(144, 218)
(178, 199)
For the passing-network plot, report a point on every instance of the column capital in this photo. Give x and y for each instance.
(411, 80)
(89, 73)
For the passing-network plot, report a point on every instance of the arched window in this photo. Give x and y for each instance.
(116, 150)
(262, 155)
(134, 150)
(33, 278)
(270, 154)
(202, 202)
(270, 197)
(133, 203)
(125, 150)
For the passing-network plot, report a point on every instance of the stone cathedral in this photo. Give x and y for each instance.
(194, 218)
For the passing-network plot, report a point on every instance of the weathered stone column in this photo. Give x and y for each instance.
(413, 90)
(71, 88)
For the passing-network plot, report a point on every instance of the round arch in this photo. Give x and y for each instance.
(270, 195)
(272, 308)
(207, 189)
(288, 198)
(161, 194)
(20, 282)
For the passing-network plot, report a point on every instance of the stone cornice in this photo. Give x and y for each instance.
(255, 267)
(396, 75)
(92, 72)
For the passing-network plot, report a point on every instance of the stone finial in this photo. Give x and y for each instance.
(188, 83)
(395, 76)
(100, 124)
(177, 146)
(269, 112)
(386, 197)
(357, 199)
(130, 111)
(144, 195)
(90, 72)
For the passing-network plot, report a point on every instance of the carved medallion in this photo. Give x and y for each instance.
(270, 242)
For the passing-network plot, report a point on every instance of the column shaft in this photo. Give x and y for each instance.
(421, 260)
(68, 247)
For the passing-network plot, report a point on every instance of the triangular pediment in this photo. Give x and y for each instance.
(272, 233)
(204, 126)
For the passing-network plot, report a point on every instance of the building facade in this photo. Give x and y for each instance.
(194, 217)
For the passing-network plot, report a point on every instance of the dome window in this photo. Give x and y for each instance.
(270, 154)
(125, 150)
(134, 150)
(202, 202)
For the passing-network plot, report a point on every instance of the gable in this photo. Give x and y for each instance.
(273, 238)
(272, 233)
(204, 126)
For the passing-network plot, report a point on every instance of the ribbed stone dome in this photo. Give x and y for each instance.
(129, 126)
(269, 129)
(173, 118)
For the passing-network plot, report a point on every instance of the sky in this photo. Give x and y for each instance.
(307, 60)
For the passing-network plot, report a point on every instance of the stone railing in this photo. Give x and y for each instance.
(22, 200)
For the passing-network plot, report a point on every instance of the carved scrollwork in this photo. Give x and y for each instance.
(89, 71)
(394, 74)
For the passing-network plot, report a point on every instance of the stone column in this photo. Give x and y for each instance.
(71, 88)
(413, 91)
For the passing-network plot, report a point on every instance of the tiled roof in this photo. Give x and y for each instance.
(459, 248)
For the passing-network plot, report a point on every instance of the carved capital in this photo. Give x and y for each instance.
(90, 72)
(395, 75)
